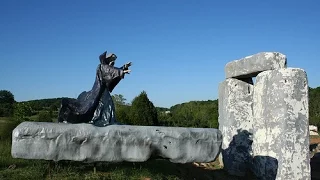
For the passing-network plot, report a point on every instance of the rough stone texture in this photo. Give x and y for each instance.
(235, 124)
(281, 125)
(114, 143)
(251, 66)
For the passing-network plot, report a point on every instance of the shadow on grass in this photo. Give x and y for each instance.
(315, 166)
(153, 169)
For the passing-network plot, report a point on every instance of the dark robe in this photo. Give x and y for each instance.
(89, 106)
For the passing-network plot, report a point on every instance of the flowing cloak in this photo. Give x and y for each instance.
(95, 106)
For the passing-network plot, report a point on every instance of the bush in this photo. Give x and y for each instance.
(44, 116)
(6, 129)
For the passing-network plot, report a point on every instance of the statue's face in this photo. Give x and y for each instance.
(110, 59)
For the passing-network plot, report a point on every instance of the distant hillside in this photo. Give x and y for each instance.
(44, 104)
(162, 109)
(192, 114)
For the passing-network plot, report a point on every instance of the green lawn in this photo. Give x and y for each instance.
(4, 119)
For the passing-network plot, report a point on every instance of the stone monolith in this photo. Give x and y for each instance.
(281, 125)
(235, 124)
(114, 143)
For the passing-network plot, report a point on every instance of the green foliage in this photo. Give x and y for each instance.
(118, 99)
(6, 128)
(6, 103)
(160, 109)
(44, 104)
(192, 114)
(44, 116)
(142, 111)
(22, 111)
(6, 97)
(55, 105)
(123, 114)
(314, 106)
(122, 109)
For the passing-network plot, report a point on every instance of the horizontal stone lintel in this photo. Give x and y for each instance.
(251, 66)
(114, 143)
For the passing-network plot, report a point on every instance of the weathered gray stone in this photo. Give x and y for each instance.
(281, 125)
(313, 133)
(114, 143)
(313, 128)
(235, 124)
(251, 66)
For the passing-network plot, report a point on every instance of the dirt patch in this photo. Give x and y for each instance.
(315, 140)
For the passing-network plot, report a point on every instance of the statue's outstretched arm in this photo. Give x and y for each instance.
(126, 66)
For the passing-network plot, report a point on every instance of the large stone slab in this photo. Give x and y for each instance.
(114, 143)
(281, 125)
(235, 124)
(252, 65)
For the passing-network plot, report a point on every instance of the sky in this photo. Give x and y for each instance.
(178, 48)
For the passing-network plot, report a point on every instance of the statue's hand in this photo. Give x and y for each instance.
(127, 65)
(127, 71)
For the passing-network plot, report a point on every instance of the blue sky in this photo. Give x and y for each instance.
(178, 48)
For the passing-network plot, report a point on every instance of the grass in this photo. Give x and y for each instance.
(4, 119)
(34, 117)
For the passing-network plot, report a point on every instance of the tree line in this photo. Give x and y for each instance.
(141, 111)
(314, 106)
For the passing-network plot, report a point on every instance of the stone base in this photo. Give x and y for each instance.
(114, 143)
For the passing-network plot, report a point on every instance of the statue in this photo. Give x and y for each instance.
(96, 106)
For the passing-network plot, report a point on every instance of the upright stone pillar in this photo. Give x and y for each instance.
(281, 122)
(235, 123)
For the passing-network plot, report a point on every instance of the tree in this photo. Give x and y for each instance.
(55, 106)
(6, 103)
(122, 110)
(22, 111)
(194, 114)
(142, 111)
(44, 116)
(122, 114)
(118, 99)
(314, 106)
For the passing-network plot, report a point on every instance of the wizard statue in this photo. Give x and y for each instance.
(96, 106)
